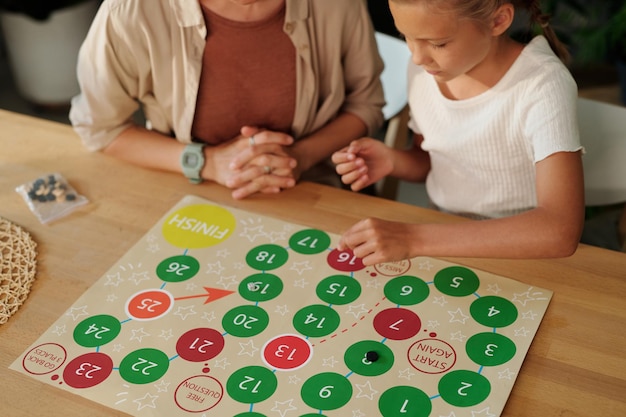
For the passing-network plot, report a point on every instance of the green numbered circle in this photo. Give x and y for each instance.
(97, 330)
(369, 358)
(490, 349)
(313, 415)
(338, 289)
(252, 384)
(144, 366)
(316, 320)
(309, 241)
(464, 388)
(178, 268)
(267, 257)
(402, 401)
(493, 311)
(245, 321)
(406, 290)
(326, 391)
(251, 414)
(261, 287)
(457, 281)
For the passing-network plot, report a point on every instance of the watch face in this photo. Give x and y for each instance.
(191, 160)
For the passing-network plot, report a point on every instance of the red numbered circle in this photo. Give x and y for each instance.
(344, 261)
(287, 352)
(88, 370)
(199, 345)
(149, 304)
(397, 323)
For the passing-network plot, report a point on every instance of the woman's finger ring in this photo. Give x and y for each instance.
(251, 140)
(267, 169)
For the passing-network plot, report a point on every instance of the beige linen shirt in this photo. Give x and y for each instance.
(150, 53)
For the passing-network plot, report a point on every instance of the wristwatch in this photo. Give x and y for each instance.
(192, 162)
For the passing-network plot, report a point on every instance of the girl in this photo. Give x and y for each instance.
(495, 138)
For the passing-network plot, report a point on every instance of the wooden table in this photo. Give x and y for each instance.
(576, 366)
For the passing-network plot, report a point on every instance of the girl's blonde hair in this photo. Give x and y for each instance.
(482, 10)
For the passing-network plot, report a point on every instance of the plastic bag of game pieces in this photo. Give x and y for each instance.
(50, 197)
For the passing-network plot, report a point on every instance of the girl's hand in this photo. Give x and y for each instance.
(376, 241)
(364, 162)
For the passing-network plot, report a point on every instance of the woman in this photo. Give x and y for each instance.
(255, 92)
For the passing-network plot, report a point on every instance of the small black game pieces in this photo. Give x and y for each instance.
(371, 356)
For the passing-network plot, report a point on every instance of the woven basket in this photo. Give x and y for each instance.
(18, 266)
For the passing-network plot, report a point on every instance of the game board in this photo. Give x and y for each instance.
(222, 312)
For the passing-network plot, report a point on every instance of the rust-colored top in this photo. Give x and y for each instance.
(248, 78)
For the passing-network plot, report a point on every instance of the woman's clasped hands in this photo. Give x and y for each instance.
(257, 161)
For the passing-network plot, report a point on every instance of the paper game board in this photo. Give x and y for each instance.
(217, 311)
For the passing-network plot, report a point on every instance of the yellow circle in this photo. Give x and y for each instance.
(198, 226)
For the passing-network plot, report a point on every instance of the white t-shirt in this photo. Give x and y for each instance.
(483, 150)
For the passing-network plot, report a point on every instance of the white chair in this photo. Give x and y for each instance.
(603, 134)
(396, 56)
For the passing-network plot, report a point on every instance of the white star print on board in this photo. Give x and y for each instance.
(301, 283)
(139, 334)
(366, 391)
(300, 267)
(166, 334)
(406, 374)
(59, 330)
(458, 336)
(282, 407)
(221, 363)
(440, 300)
(522, 332)
(357, 310)
(276, 236)
(506, 374)
(226, 282)
(111, 298)
(282, 310)
(184, 312)
(114, 280)
(252, 233)
(529, 315)
(214, 268)
(331, 362)
(138, 277)
(432, 324)
(483, 413)
(153, 248)
(449, 415)
(494, 288)
(77, 312)
(457, 316)
(162, 386)
(208, 316)
(425, 265)
(248, 348)
(118, 347)
(147, 400)
(224, 253)
(191, 287)
(294, 380)
(373, 283)
(358, 413)
(527, 296)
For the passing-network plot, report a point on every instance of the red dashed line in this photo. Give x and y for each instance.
(353, 324)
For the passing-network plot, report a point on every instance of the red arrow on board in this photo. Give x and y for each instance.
(211, 294)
